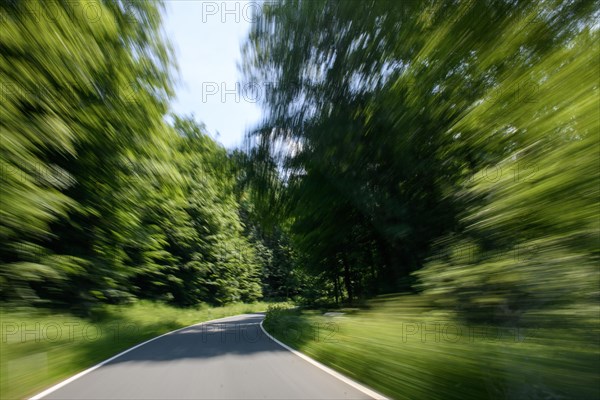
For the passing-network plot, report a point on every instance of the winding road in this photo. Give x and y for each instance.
(230, 358)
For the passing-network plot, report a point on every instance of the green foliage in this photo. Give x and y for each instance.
(275, 312)
(402, 132)
(406, 349)
(450, 148)
(528, 249)
(101, 199)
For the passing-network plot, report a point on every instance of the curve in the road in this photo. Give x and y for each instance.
(229, 358)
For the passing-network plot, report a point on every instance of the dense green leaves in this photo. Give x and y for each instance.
(101, 198)
(407, 132)
(405, 146)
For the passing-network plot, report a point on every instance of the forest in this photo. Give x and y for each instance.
(448, 149)
(105, 196)
(445, 151)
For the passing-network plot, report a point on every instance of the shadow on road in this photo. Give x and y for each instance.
(240, 335)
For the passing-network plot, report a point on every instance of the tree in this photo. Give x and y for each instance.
(379, 114)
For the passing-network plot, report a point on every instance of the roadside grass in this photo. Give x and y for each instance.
(405, 349)
(39, 348)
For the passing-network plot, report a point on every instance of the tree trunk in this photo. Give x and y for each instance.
(347, 280)
(389, 276)
(337, 289)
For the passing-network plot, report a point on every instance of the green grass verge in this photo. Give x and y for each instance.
(404, 349)
(39, 348)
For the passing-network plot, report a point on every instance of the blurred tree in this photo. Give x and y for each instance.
(528, 248)
(379, 113)
(121, 118)
(48, 69)
(101, 199)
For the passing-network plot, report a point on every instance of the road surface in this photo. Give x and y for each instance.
(227, 359)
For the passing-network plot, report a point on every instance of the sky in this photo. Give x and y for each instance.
(207, 37)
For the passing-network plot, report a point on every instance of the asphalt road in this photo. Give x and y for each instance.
(228, 359)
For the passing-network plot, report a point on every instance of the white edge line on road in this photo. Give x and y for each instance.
(345, 379)
(87, 371)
